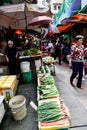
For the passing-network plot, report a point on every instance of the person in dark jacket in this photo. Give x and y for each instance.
(58, 50)
(11, 57)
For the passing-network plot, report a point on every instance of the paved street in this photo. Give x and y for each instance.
(74, 99)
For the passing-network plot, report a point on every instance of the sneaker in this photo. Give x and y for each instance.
(83, 78)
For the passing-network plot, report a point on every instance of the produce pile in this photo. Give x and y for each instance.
(48, 59)
(50, 112)
(32, 51)
(43, 70)
(47, 80)
(47, 91)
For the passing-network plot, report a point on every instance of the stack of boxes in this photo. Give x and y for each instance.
(8, 86)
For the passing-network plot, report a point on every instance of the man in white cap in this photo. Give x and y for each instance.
(77, 61)
(11, 57)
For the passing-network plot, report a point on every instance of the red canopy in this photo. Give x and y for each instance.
(65, 27)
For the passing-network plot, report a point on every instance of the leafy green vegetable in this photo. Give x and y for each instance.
(47, 80)
(47, 91)
(26, 52)
(49, 112)
(35, 51)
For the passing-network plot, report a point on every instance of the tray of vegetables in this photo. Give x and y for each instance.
(43, 70)
(47, 91)
(47, 80)
(48, 59)
(50, 115)
(32, 51)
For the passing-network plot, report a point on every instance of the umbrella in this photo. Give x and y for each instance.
(13, 16)
(40, 20)
(18, 15)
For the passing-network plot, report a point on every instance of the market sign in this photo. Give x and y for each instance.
(13, 8)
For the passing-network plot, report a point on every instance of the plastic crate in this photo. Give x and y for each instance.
(27, 76)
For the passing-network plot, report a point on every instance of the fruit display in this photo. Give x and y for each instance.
(32, 51)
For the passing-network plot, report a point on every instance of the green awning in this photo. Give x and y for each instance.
(83, 10)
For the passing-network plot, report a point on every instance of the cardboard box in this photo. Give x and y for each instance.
(8, 86)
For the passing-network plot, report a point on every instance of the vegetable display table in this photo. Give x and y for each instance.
(52, 112)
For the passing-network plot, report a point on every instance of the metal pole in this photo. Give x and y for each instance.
(25, 18)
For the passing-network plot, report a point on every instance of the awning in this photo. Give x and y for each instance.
(65, 27)
(78, 18)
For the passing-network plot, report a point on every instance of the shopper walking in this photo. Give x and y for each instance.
(77, 61)
(58, 50)
(11, 57)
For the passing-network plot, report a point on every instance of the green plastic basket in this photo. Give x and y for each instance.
(27, 76)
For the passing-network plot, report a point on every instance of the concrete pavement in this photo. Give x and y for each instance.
(74, 98)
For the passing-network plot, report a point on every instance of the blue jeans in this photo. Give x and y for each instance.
(77, 68)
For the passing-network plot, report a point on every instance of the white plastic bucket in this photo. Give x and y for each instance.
(25, 66)
(18, 107)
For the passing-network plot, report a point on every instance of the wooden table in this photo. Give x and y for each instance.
(31, 59)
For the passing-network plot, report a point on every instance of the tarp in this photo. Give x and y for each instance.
(65, 27)
(73, 8)
(78, 18)
(66, 4)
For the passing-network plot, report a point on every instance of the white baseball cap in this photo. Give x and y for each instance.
(10, 42)
(79, 37)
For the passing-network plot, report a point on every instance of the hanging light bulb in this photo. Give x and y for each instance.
(18, 31)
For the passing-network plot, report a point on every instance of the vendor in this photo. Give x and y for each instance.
(11, 57)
